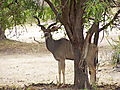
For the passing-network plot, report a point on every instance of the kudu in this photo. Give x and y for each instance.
(61, 49)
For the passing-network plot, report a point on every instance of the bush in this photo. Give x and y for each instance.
(116, 53)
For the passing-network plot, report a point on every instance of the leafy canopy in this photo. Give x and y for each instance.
(16, 12)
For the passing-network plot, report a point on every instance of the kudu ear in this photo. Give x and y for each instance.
(53, 28)
(42, 27)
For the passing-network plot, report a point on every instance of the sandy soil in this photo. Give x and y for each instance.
(18, 68)
(28, 69)
(29, 65)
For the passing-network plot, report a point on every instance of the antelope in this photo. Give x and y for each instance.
(61, 49)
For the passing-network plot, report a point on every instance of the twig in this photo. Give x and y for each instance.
(36, 40)
(111, 22)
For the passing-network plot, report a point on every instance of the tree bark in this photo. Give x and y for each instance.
(79, 78)
(96, 38)
(2, 33)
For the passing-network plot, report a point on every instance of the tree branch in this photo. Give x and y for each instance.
(52, 6)
(53, 9)
(111, 22)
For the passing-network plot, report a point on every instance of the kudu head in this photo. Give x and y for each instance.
(47, 31)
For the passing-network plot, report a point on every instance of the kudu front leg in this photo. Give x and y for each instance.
(63, 70)
(59, 71)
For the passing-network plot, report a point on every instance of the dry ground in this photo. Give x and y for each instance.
(24, 64)
(30, 63)
(27, 63)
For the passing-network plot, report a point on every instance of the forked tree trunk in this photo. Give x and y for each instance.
(72, 19)
(81, 78)
(80, 74)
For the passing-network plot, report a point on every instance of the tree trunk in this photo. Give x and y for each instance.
(2, 34)
(73, 21)
(96, 38)
(80, 74)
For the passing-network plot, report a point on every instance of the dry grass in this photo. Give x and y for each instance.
(15, 47)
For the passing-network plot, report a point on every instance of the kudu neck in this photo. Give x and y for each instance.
(49, 43)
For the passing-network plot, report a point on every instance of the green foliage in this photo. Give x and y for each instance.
(116, 57)
(95, 9)
(22, 11)
(56, 3)
(16, 12)
(46, 12)
(116, 54)
(117, 46)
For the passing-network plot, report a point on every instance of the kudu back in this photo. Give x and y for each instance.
(61, 49)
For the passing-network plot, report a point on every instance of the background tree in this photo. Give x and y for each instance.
(16, 12)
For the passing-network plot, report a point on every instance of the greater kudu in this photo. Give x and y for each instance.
(61, 49)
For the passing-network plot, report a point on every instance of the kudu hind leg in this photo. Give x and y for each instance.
(92, 71)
